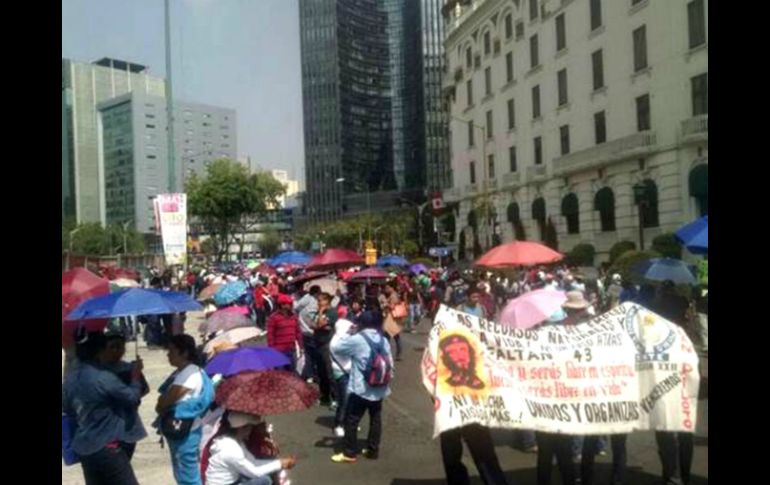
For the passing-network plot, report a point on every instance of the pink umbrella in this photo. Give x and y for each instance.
(532, 308)
(243, 310)
(369, 273)
(225, 320)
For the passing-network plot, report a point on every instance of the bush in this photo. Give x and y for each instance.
(581, 255)
(624, 263)
(667, 245)
(618, 249)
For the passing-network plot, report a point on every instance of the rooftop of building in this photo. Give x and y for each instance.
(121, 65)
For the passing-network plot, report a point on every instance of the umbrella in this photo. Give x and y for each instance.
(226, 320)
(418, 268)
(309, 276)
(519, 253)
(234, 336)
(335, 259)
(264, 268)
(266, 393)
(235, 361)
(532, 308)
(369, 273)
(662, 269)
(230, 292)
(78, 285)
(695, 236)
(124, 283)
(136, 301)
(208, 292)
(392, 261)
(290, 257)
(252, 264)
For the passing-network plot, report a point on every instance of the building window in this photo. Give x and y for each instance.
(508, 26)
(600, 127)
(696, 22)
(149, 126)
(536, 102)
(700, 94)
(470, 134)
(538, 142)
(649, 205)
(596, 14)
(490, 125)
(570, 209)
(561, 33)
(597, 62)
(473, 172)
(509, 67)
(604, 202)
(533, 10)
(643, 112)
(534, 59)
(564, 137)
(562, 84)
(640, 48)
(151, 157)
(488, 80)
(149, 116)
(491, 165)
(519, 30)
(487, 43)
(469, 89)
(511, 115)
(468, 57)
(512, 158)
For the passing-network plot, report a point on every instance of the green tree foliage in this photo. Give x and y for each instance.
(269, 243)
(619, 248)
(228, 200)
(92, 239)
(667, 245)
(581, 255)
(627, 260)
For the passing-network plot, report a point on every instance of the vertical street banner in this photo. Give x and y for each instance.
(628, 369)
(171, 211)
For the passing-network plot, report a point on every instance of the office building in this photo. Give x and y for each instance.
(562, 110)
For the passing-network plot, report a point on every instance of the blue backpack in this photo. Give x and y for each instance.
(378, 369)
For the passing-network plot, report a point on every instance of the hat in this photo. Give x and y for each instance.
(576, 301)
(239, 420)
(284, 299)
(616, 277)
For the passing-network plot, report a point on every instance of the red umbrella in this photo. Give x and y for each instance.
(266, 393)
(310, 275)
(335, 259)
(77, 286)
(519, 253)
(264, 268)
(369, 273)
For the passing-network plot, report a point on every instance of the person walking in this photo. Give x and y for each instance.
(283, 332)
(370, 377)
(478, 439)
(96, 399)
(394, 313)
(185, 397)
(341, 366)
(307, 309)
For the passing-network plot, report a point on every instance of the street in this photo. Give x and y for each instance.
(408, 455)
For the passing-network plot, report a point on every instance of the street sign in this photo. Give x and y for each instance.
(441, 252)
(316, 246)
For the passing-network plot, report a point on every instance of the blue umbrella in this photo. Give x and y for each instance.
(695, 236)
(136, 301)
(230, 292)
(392, 261)
(662, 269)
(290, 257)
(235, 361)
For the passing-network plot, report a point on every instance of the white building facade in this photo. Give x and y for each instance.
(559, 108)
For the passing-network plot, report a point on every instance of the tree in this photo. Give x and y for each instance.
(582, 255)
(619, 248)
(667, 245)
(269, 242)
(228, 200)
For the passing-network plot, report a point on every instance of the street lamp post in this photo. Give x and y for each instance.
(640, 197)
(420, 209)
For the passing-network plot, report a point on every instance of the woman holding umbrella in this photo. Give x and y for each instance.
(231, 463)
(185, 397)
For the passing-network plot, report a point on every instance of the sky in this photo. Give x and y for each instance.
(239, 54)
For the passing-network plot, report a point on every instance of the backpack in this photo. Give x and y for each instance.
(378, 369)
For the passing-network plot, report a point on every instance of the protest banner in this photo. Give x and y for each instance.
(628, 369)
(171, 211)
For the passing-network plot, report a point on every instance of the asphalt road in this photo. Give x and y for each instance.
(408, 455)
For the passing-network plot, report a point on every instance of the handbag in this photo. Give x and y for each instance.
(175, 428)
(400, 310)
(68, 427)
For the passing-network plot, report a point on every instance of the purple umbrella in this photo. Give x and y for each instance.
(418, 268)
(231, 362)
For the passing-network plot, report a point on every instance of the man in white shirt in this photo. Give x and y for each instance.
(231, 463)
